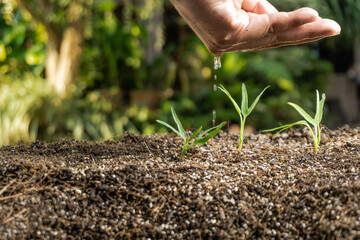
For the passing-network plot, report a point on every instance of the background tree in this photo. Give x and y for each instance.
(64, 23)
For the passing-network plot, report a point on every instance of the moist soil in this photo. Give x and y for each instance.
(276, 187)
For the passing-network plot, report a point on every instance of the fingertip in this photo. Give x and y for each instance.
(308, 14)
(336, 28)
(310, 11)
(329, 27)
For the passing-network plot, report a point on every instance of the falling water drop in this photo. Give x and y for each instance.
(217, 62)
(217, 65)
(214, 118)
(214, 111)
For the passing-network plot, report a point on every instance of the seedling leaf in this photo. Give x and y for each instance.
(284, 127)
(167, 125)
(194, 134)
(317, 103)
(178, 123)
(244, 100)
(206, 131)
(205, 139)
(256, 101)
(302, 113)
(221, 87)
(320, 109)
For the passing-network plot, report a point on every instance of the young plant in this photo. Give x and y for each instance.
(196, 138)
(315, 122)
(244, 111)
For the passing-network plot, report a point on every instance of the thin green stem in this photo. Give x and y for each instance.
(183, 153)
(318, 136)
(184, 150)
(314, 136)
(242, 128)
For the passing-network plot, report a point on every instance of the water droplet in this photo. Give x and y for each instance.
(215, 89)
(214, 118)
(217, 62)
(217, 65)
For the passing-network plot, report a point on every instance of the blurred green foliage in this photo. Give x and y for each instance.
(112, 46)
(21, 43)
(101, 105)
(30, 110)
(19, 102)
(346, 12)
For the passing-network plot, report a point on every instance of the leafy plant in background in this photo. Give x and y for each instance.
(316, 132)
(199, 138)
(18, 107)
(244, 111)
(30, 110)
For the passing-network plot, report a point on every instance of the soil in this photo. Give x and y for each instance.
(139, 188)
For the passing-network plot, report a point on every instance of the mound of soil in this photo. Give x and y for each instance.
(139, 188)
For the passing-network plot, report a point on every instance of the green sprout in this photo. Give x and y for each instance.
(315, 122)
(196, 138)
(244, 111)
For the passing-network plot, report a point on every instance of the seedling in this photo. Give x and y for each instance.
(315, 122)
(244, 111)
(196, 138)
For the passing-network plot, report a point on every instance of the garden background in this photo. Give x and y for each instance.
(137, 58)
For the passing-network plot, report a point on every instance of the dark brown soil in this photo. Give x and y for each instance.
(139, 188)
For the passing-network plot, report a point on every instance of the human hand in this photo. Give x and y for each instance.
(246, 25)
